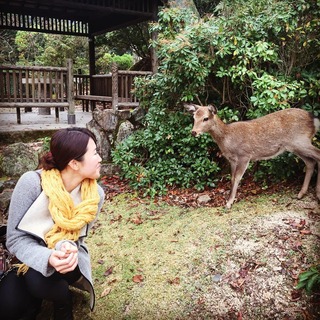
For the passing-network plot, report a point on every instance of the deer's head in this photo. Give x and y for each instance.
(202, 116)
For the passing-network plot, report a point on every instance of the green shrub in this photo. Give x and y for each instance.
(310, 280)
(155, 158)
(104, 63)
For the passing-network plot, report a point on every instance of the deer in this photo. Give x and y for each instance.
(287, 130)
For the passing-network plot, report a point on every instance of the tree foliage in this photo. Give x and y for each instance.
(133, 39)
(42, 49)
(104, 63)
(33, 48)
(249, 58)
(8, 52)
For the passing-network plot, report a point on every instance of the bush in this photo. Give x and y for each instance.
(155, 159)
(104, 63)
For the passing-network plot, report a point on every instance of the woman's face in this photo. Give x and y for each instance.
(90, 165)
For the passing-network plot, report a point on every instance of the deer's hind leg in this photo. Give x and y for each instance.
(310, 156)
(310, 165)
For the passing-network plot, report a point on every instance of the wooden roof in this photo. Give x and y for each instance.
(75, 17)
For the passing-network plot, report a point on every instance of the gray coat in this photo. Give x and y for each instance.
(29, 220)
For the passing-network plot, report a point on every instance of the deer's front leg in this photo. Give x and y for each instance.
(238, 169)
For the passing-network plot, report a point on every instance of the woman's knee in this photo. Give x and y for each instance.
(53, 288)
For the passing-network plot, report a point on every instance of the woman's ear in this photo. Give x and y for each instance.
(73, 164)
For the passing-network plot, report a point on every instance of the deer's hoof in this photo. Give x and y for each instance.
(300, 195)
(228, 205)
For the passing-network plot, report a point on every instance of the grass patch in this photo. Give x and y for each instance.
(155, 261)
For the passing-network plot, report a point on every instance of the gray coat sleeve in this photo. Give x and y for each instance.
(25, 247)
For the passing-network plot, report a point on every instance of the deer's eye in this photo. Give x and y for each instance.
(205, 119)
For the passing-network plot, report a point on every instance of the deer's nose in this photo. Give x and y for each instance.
(194, 133)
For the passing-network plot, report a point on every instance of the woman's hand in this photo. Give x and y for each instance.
(65, 259)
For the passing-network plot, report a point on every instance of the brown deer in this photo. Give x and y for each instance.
(260, 139)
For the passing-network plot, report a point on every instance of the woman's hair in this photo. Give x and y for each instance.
(66, 145)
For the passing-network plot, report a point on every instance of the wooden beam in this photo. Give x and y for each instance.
(32, 104)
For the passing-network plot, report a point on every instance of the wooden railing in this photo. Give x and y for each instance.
(41, 87)
(113, 90)
(53, 87)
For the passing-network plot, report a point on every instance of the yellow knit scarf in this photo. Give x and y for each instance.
(68, 218)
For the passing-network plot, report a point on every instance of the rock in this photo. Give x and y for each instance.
(217, 277)
(137, 116)
(203, 199)
(109, 169)
(125, 129)
(7, 184)
(5, 198)
(111, 127)
(106, 119)
(18, 158)
(104, 140)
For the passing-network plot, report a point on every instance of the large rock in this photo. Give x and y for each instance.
(111, 127)
(104, 139)
(18, 158)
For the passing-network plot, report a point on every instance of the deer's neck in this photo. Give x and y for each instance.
(218, 130)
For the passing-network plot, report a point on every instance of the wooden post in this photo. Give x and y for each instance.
(153, 54)
(92, 68)
(92, 60)
(154, 36)
(115, 98)
(70, 93)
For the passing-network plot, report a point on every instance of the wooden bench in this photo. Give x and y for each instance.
(19, 105)
(37, 87)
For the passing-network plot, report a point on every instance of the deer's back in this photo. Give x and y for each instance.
(266, 136)
(288, 122)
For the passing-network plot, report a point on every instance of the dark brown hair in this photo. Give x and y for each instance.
(66, 145)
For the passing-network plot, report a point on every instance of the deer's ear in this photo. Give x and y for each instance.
(212, 109)
(191, 107)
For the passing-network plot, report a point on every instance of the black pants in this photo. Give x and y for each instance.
(20, 295)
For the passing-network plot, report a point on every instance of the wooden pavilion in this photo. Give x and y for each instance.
(87, 18)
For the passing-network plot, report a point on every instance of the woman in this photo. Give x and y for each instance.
(50, 214)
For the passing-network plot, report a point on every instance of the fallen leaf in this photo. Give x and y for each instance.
(306, 232)
(297, 246)
(105, 292)
(108, 272)
(137, 278)
(295, 295)
(174, 281)
(137, 220)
